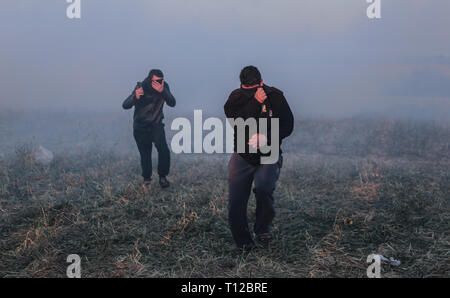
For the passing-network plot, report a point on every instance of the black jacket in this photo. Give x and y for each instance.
(242, 104)
(148, 110)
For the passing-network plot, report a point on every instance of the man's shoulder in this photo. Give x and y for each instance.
(235, 95)
(235, 92)
(275, 90)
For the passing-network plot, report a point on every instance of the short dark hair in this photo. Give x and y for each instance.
(250, 75)
(155, 72)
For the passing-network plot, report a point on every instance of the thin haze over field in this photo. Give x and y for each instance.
(327, 56)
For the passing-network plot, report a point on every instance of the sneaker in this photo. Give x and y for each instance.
(164, 182)
(264, 239)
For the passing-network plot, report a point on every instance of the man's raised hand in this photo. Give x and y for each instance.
(139, 92)
(157, 86)
(260, 95)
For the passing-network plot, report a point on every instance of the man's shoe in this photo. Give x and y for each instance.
(246, 248)
(164, 182)
(264, 239)
(146, 185)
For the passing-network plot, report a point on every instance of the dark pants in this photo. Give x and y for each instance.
(241, 175)
(144, 141)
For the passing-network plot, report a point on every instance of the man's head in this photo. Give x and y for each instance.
(250, 76)
(155, 74)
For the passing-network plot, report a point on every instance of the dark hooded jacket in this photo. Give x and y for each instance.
(242, 104)
(148, 110)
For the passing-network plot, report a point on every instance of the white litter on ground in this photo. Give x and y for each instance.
(390, 261)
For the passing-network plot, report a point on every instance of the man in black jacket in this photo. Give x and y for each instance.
(258, 101)
(148, 98)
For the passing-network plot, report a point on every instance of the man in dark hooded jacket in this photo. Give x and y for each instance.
(254, 100)
(148, 98)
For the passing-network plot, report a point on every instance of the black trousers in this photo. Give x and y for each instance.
(241, 176)
(145, 141)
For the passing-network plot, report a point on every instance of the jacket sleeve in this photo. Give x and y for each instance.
(130, 101)
(286, 119)
(168, 97)
(233, 109)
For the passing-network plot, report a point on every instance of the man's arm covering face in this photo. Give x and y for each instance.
(130, 101)
(168, 97)
(237, 107)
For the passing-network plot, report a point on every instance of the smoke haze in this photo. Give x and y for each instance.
(326, 55)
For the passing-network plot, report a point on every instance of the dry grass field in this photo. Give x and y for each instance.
(348, 188)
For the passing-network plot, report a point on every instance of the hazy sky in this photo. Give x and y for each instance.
(327, 56)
